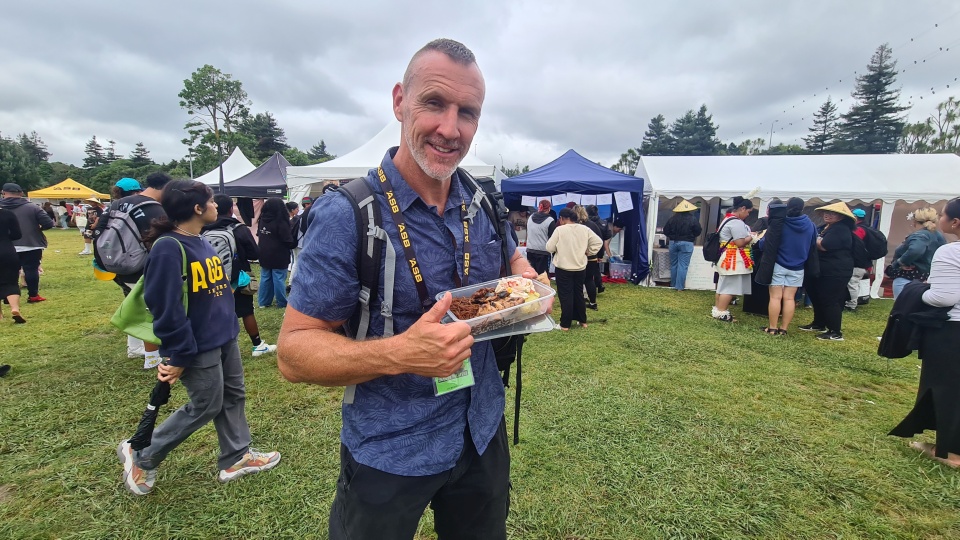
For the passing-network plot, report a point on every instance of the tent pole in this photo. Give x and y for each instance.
(653, 209)
(886, 219)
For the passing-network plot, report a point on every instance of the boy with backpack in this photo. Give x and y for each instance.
(118, 244)
(236, 247)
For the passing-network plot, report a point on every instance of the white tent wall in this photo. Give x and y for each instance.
(899, 183)
(358, 162)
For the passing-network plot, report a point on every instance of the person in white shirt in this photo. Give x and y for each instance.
(938, 401)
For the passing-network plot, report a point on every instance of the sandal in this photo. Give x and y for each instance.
(781, 331)
(725, 318)
(770, 331)
(17, 318)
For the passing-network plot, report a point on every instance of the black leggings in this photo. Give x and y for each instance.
(829, 295)
(592, 280)
(570, 291)
(30, 264)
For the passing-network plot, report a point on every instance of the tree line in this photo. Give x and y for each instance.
(875, 124)
(220, 120)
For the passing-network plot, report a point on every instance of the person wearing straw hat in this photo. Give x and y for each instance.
(682, 229)
(828, 291)
(94, 211)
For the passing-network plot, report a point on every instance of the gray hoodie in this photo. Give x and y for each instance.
(32, 220)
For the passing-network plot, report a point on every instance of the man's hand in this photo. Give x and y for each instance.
(170, 374)
(432, 349)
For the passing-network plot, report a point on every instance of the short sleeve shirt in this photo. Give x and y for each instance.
(734, 229)
(395, 423)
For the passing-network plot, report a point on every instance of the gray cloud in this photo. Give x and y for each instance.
(559, 74)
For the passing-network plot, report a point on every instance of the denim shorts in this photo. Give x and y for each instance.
(786, 278)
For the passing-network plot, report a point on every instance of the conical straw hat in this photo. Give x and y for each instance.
(839, 208)
(685, 206)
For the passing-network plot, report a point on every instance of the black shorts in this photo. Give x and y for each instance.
(242, 304)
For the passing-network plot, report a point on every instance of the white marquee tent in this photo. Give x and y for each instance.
(897, 182)
(235, 166)
(358, 162)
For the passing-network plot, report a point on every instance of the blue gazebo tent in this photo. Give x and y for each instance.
(573, 173)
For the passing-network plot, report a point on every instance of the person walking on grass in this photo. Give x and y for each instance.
(198, 340)
(276, 241)
(796, 244)
(128, 194)
(247, 251)
(94, 212)
(29, 247)
(10, 264)
(829, 290)
(736, 262)
(682, 230)
(938, 402)
(572, 243)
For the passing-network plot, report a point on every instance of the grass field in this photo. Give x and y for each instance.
(658, 423)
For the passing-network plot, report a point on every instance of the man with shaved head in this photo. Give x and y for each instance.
(404, 444)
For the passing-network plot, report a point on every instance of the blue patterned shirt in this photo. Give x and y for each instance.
(395, 423)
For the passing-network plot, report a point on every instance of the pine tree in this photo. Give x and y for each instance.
(875, 121)
(111, 152)
(34, 145)
(319, 152)
(683, 135)
(705, 142)
(268, 137)
(823, 134)
(140, 156)
(94, 153)
(656, 140)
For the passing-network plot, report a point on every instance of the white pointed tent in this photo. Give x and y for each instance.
(235, 166)
(358, 162)
(896, 183)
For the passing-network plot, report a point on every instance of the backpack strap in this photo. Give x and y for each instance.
(486, 196)
(183, 275)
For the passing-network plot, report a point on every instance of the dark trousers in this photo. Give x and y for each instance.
(570, 291)
(592, 280)
(470, 501)
(30, 264)
(828, 294)
(539, 261)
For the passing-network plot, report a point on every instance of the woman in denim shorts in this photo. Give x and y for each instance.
(796, 243)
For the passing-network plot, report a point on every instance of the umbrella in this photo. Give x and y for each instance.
(158, 396)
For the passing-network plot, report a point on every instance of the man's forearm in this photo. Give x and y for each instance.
(329, 359)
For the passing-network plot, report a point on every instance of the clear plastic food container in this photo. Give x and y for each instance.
(505, 317)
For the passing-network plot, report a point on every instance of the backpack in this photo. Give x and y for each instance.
(224, 242)
(712, 247)
(369, 221)
(876, 243)
(119, 247)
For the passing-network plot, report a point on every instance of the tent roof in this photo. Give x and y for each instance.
(235, 166)
(69, 189)
(888, 177)
(358, 162)
(571, 173)
(267, 180)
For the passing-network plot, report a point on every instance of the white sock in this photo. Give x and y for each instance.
(151, 359)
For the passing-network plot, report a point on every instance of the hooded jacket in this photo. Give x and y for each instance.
(32, 220)
(540, 227)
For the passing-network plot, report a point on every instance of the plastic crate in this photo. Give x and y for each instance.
(621, 270)
(506, 317)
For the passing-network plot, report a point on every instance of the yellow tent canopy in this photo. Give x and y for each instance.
(68, 190)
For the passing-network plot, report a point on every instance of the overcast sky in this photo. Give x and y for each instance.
(560, 74)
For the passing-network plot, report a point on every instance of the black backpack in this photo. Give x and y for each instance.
(370, 250)
(875, 242)
(712, 247)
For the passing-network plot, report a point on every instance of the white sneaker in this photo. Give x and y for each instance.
(264, 348)
(135, 352)
(84, 252)
(251, 462)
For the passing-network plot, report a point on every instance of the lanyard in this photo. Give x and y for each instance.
(407, 241)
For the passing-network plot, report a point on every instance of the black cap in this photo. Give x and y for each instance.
(10, 187)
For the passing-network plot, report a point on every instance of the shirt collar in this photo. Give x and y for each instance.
(406, 196)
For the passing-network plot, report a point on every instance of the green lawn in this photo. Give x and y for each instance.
(659, 423)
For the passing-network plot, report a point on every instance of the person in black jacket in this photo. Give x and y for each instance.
(829, 290)
(247, 250)
(682, 229)
(276, 241)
